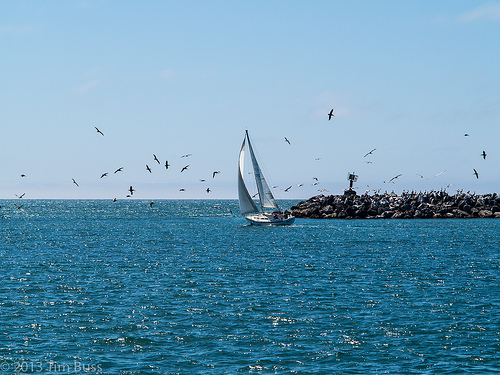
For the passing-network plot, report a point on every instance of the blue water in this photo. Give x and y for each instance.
(187, 287)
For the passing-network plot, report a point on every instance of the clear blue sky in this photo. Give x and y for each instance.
(408, 78)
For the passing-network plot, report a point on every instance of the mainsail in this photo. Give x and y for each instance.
(267, 200)
(247, 205)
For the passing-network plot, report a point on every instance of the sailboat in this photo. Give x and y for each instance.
(269, 212)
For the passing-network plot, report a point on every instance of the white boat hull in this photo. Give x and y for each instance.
(269, 219)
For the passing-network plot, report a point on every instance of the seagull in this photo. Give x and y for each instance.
(299, 185)
(466, 135)
(216, 172)
(315, 178)
(476, 174)
(369, 153)
(100, 132)
(75, 182)
(148, 169)
(287, 141)
(185, 156)
(484, 155)
(131, 190)
(184, 168)
(20, 196)
(392, 179)
(202, 180)
(104, 174)
(208, 190)
(119, 169)
(182, 189)
(154, 156)
(166, 164)
(330, 115)
(23, 175)
(288, 188)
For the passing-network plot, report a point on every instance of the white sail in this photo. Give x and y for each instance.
(266, 197)
(247, 205)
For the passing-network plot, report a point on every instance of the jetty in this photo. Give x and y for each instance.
(408, 205)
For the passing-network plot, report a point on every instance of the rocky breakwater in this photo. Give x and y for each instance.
(408, 205)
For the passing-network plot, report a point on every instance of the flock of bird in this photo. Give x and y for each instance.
(391, 180)
(131, 190)
(331, 114)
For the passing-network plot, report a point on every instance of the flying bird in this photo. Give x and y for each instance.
(185, 156)
(151, 204)
(216, 172)
(131, 190)
(466, 135)
(100, 132)
(208, 190)
(23, 175)
(166, 164)
(369, 153)
(104, 174)
(392, 179)
(182, 189)
(287, 141)
(288, 188)
(75, 182)
(184, 168)
(330, 115)
(148, 169)
(476, 174)
(20, 196)
(119, 170)
(156, 159)
(484, 155)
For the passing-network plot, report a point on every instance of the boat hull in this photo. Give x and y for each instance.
(269, 220)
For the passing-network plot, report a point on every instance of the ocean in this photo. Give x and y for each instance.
(188, 287)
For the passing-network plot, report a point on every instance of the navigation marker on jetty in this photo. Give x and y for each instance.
(351, 177)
